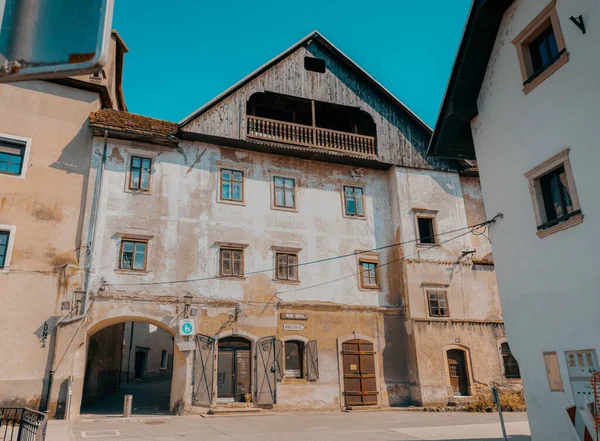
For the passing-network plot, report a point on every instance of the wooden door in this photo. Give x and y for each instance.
(266, 372)
(458, 372)
(360, 379)
(204, 370)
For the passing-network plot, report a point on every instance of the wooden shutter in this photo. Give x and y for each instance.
(312, 361)
(279, 359)
(265, 371)
(204, 370)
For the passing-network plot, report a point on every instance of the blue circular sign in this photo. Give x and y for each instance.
(186, 328)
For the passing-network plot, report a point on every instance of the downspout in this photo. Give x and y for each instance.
(88, 266)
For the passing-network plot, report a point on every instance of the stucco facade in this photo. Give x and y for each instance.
(547, 275)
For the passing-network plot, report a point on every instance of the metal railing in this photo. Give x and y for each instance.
(22, 424)
(310, 136)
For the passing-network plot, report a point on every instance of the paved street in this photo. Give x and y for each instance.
(301, 426)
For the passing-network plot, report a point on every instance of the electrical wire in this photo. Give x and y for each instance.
(327, 259)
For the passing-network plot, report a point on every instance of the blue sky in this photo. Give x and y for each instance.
(185, 52)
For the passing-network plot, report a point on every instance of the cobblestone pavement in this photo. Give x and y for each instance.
(298, 426)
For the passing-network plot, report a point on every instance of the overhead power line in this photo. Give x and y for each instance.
(471, 228)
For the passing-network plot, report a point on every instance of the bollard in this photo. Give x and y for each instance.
(127, 405)
(69, 397)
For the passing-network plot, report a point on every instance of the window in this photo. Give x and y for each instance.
(354, 201)
(232, 185)
(287, 266)
(12, 154)
(426, 230)
(232, 262)
(511, 367)
(552, 187)
(139, 173)
(285, 192)
(4, 235)
(314, 64)
(133, 255)
(438, 303)
(164, 357)
(540, 48)
(368, 274)
(294, 351)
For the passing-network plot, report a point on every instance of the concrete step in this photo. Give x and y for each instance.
(236, 408)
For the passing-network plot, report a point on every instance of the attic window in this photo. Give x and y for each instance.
(314, 64)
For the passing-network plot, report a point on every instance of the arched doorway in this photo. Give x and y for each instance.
(128, 358)
(457, 369)
(233, 369)
(360, 378)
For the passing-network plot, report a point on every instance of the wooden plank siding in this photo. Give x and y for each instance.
(400, 139)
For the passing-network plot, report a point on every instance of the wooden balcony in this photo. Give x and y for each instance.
(309, 136)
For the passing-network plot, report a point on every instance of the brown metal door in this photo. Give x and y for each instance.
(360, 380)
(458, 372)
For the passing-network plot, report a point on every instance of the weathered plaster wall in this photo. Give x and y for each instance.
(156, 340)
(513, 134)
(400, 140)
(47, 209)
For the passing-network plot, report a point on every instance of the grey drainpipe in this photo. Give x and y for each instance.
(88, 266)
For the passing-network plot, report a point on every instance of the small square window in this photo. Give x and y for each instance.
(314, 64)
(133, 255)
(285, 192)
(354, 201)
(438, 304)
(369, 278)
(540, 48)
(12, 154)
(232, 185)
(232, 262)
(426, 230)
(139, 173)
(287, 266)
(4, 236)
(552, 187)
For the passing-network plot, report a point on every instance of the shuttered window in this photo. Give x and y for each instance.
(294, 351)
(232, 262)
(287, 266)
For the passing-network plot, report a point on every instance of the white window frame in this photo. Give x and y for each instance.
(25, 164)
(12, 230)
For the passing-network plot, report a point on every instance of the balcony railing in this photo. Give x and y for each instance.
(308, 136)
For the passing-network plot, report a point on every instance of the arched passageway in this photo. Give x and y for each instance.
(128, 358)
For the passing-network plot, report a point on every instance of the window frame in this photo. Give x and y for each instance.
(135, 242)
(10, 231)
(165, 366)
(284, 175)
(369, 258)
(233, 169)
(437, 292)
(506, 356)
(547, 17)
(231, 249)
(534, 176)
(287, 254)
(23, 143)
(287, 373)
(354, 186)
(424, 213)
(139, 189)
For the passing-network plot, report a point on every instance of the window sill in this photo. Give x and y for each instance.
(546, 73)
(571, 222)
(239, 278)
(288, 209)
(349, 216)
(132, 272)
(427, 245)
(13, 175)
(138, 192)
(287, 282)
(369, 288)
(239, 203)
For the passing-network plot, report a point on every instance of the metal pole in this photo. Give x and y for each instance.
(496, 399)
(127, 405)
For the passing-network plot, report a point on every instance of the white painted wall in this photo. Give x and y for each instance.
(548, 287)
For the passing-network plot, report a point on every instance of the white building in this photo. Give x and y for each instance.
(524, 97)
